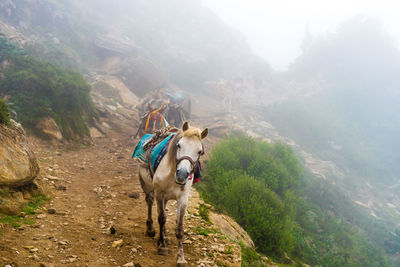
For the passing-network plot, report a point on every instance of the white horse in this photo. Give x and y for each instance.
(173, 180)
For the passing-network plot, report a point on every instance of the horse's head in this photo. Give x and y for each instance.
(189, 148)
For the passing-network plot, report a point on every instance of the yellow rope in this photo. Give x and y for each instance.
(154, 112)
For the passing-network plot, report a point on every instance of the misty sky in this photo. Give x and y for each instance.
(275, 28)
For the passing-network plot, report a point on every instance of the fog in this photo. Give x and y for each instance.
(322, 78)
(275, 29)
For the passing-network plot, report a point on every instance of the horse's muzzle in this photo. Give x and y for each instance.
(181, 176)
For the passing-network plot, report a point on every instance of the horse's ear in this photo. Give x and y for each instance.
(204, 133)
(185, 126)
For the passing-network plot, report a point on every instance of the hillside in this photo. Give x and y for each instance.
(282, 207)
(352, 120)
(188, 48)
(41, 94)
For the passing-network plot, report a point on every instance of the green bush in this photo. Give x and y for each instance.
(4, 112)
(254, 182)
(39, 89)
(286, 212)
(329, 233)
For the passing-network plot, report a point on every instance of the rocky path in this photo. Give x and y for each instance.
(93, 189)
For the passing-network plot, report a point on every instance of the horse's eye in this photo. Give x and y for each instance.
(178, 145)
(199, 152)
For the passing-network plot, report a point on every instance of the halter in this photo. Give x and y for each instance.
(193, 163)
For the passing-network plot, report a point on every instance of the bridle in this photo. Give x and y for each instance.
(193, 163)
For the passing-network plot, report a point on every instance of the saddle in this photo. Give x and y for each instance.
(152, 147)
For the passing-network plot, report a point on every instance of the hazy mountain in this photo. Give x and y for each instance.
(353, 118)
(178, 41)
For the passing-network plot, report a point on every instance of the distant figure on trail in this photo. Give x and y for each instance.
(179, 108)
(175, 115)
(163, 107)
(153, 119)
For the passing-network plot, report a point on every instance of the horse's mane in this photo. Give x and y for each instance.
(192, 132)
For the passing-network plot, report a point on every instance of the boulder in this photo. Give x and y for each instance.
(49, 127)
(18, 162)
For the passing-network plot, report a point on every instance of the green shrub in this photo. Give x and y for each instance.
(286, 213)
(39, 89)
(254, 182)
(4, 112)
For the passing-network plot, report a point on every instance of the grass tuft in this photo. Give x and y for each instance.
(16, 221)
(204, 231)
(204, 213)
(35, 203)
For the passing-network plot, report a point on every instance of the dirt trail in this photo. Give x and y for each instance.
(89, 190)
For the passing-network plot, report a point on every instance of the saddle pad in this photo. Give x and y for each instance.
(157, 151)
(139, 153)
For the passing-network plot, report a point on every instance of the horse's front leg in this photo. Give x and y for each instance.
(181, 210)
(161, 203)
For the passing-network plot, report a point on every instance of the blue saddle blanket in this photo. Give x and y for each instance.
(157, 152)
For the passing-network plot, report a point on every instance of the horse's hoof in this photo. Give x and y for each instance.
(162, 251)
(181, 263)
(151, 233)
